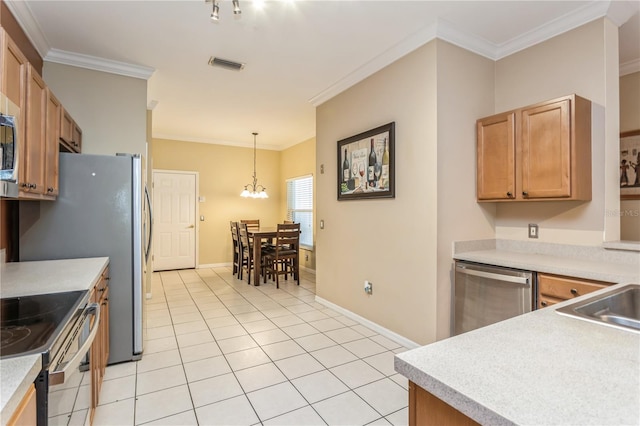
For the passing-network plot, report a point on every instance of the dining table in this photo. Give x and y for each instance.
(259, 235)
(267, 234)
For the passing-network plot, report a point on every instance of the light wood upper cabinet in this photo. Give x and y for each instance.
(43, 124)
(14, 72)
(496, 157)
(53, 137)
(32, 170)
(70, 133)
(547, 148)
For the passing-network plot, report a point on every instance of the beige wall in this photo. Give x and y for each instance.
(298, 160)
(110, 109)
(630, 120)
(581, 61)
(390, 242)
(223, 172)
(463, 97)
(404, 246)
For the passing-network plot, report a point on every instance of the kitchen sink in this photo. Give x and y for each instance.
(618, 308)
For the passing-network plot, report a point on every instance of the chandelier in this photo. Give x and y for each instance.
(253, 190)
(215, 12)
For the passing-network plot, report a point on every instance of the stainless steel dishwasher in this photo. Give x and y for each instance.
(486, 294)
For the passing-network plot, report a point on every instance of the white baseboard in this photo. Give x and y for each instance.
(213, 265)
(311, 271)
(370, 324)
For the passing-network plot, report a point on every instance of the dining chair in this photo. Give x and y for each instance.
(246, 253)
(235, 238)
(284, 259)
(251, 223)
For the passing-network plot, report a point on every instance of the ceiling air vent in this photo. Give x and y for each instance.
(224, 63)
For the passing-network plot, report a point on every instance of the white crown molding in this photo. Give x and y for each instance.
(447, 32)
(387, 57)
(22, 12)
(215, 141)
(620, 11)
(99, 64)
(562, 24)
(630, 67)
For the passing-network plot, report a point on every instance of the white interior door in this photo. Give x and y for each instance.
(174, 208)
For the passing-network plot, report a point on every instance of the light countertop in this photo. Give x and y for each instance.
(612, 264)
(28, 278)
(579, 268)
(538, 368)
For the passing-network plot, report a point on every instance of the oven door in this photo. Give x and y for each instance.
(70, 388)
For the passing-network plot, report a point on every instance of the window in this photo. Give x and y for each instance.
(300, 207)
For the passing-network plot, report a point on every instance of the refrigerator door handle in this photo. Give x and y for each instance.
(147, 249)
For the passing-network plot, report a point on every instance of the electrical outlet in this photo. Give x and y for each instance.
(533, 230)
(368, 287)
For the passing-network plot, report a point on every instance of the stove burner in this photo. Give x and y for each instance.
(31, 324)
(20, 338)
(13, 335)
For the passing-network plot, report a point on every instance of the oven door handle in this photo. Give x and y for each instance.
(57, 377)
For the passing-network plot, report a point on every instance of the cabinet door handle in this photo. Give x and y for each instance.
(33, 186)
(25, 185)
(50, 189)
(574, 291)
(525, 194)
(543, 303)
(509, 194)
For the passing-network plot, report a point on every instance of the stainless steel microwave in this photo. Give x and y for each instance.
(9, 149)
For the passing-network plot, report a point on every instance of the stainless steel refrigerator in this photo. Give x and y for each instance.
(102, 210)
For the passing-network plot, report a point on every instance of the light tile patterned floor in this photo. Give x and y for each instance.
(221, 352)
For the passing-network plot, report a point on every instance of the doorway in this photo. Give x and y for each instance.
(175, 225)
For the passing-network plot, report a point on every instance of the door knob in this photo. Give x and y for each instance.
(190, 226)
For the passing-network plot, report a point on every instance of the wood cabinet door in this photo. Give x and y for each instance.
(26, 413)
(496, 157)
(546, 151)
(33, 162)
(13, 86)
(77, 137)
(14, 71)
(51, 165)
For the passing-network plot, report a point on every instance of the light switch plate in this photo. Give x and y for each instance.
(533, 230)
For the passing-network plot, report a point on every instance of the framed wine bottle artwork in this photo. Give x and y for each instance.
(366, 164)
(630, 165)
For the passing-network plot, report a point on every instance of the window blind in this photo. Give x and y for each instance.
(300, 207)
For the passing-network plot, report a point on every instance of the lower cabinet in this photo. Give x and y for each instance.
(99, 353)
(425, 409)
(25, 414)
(557, 288)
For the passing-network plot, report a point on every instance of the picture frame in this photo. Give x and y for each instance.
(630, 165)
(366, 164)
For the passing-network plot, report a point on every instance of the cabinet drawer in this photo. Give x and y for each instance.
(566, 287)
(546, 301)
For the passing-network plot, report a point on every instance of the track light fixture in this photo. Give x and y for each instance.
(215, 12)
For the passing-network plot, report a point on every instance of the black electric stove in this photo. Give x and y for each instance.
(32, 324)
